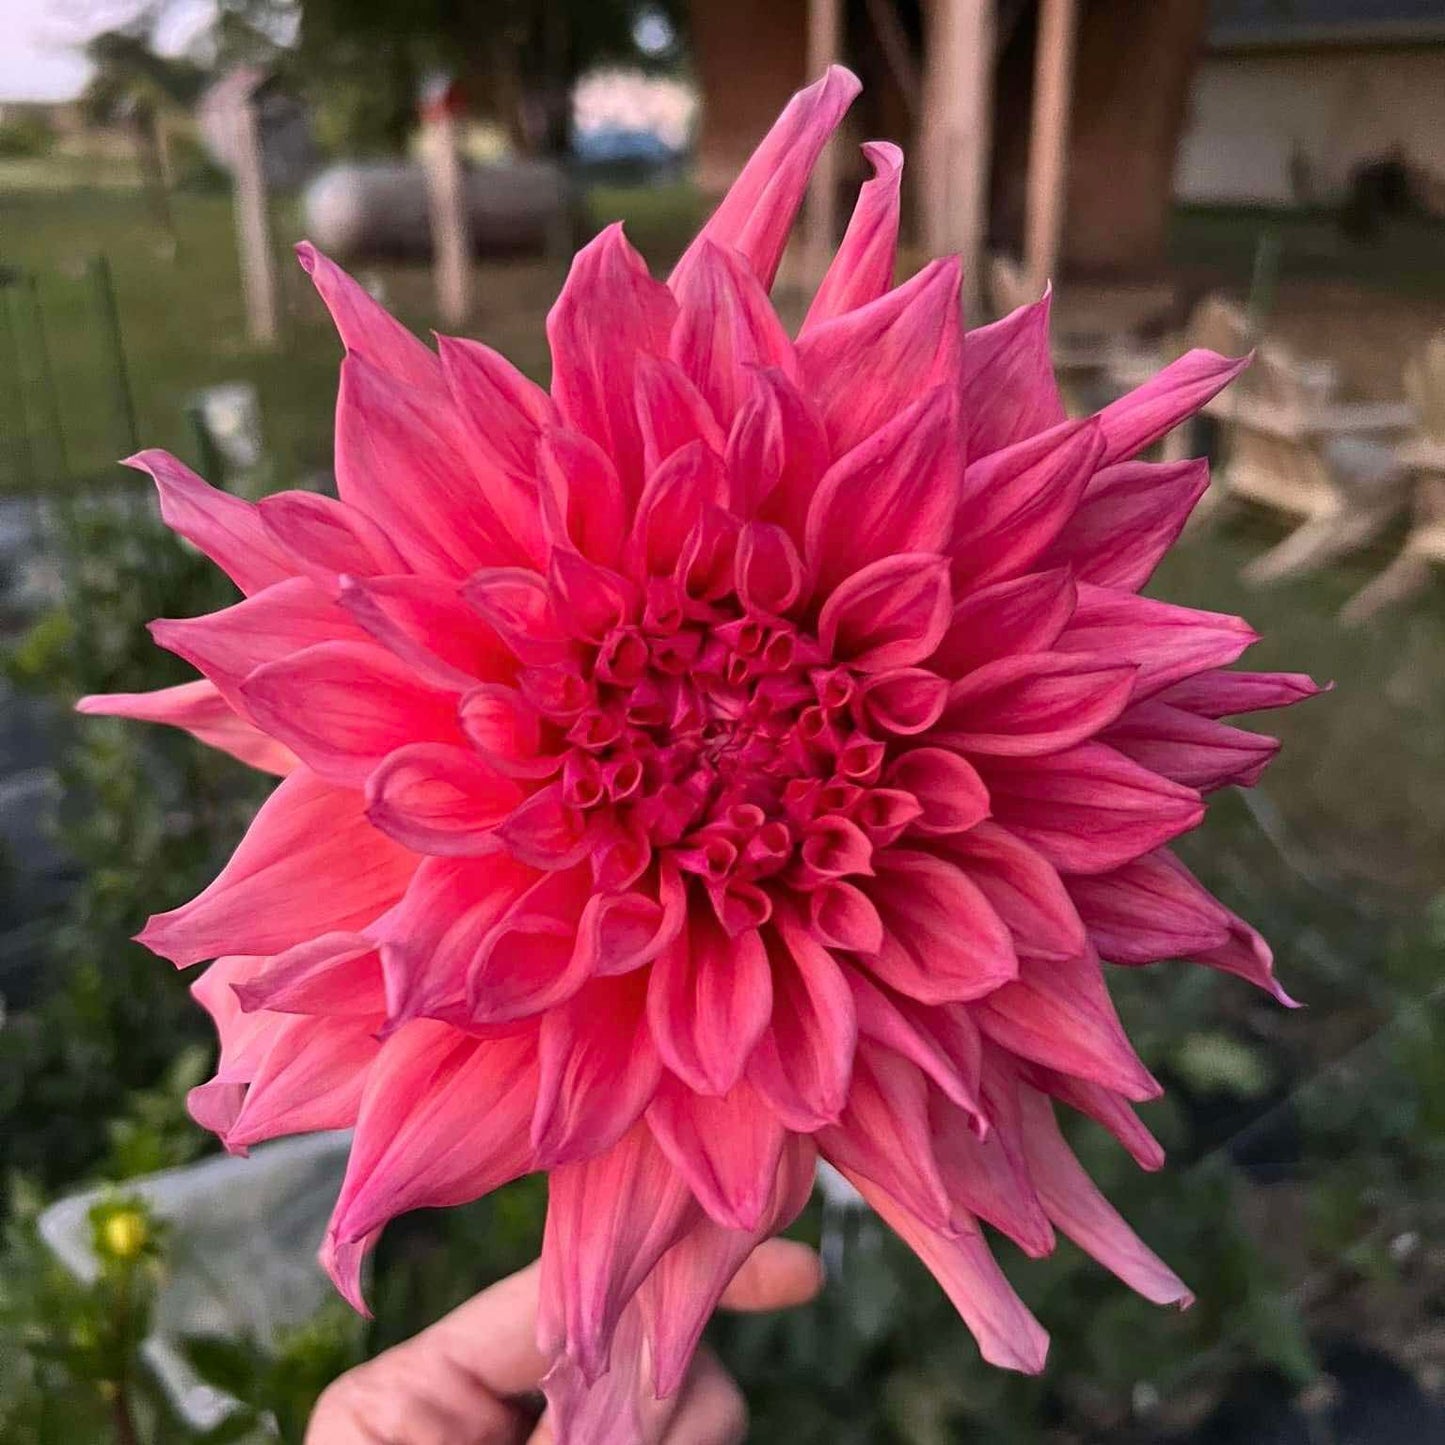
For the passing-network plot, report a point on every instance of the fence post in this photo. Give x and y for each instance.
(110, 324)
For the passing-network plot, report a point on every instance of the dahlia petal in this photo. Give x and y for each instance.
(904, 700)
(989, 1177)
(681, 1293)
(1034, 703)
(709, 1001)
(607, 1409)
(337, 975)
(609, 1220)
(893, 493)
(1165, 642)
(672, 412)
(400, 460)
(507, 730)
(1088, 809)
(624, 930)
(502, 411)
(228, 530)
(1059, 1014)
(1007, 1334)
(268, 626)
(545, 831)
(1016, 501)
(327, 537)
(341, 707)
(939, 1041)
(804, 1059)
(311, 1078)
(1223, 694)
(590, 601)
(266, 899)
(768, 569)
(1075, 1204)
(884, 1135)
(843, 916)
(1022, 888)
(942, 941)
(581, 496)
(1143, 416)
(1246, 955)
(610, 314)
(1009, 390)
(689, 482)
(949, 791)
(727, 1147)
(1189, 749)
(757, 213)
(517, 604)
(426, 625)
(597, 1069)
(1130, 515)
(244, 1038)
(199, 709)
(725, 328)
(443, 1120)
(891, 613)
(532, 959)
(365, 326)
(862, 268)
(777, 452)
(865, 367)
(431, 939)
(1019, 615)
(1104, 1107)
(439, 799)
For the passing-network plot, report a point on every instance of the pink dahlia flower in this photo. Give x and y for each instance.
(745, 752)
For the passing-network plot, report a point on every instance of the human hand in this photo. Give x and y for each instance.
(461, 1381)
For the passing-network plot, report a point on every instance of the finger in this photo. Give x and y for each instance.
(711, 1409)
(775, 1276)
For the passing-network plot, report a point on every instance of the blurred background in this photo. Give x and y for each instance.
(1233, 173)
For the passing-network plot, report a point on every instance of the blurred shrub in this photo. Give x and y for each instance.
(24, 137)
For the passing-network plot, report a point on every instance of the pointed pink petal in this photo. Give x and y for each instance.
(516, 602)
(1034, 703)
(1018, 615)
(1166, 643)
(266, 898)
(1021, 887)
(199, 709)
(943, 943)
(1223, 694)
(606, 1409)
(609, 1220)
(1149, 909)
(948, 789)
(1059, 1014)
(1075, 1204)
(609, 315)
(501, 410)
(1128, 519)
(1105, 1107)
(327, 537)
(1090, 809)
(862, 269)
(777, 453)
(689, 481)
(1246, 955)
(1007, 1334)
(581, 496)
(891, 613)
(1188, 749)
(443, 1120)
(598, 1070)
(440, 799)
(757, 213)
(366, 327)
(804, 1060)
(341, 707)
(1014, 502)
(727, 1146)
(894, 493)
(903, 700)
(1176, 393)
(672, 412)
(769, 571)
(1009, 392)
(709, 1001)
(843, 916)
(228, 530)
(337, 975)
(865, 367)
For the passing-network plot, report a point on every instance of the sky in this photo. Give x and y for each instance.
(38, 55)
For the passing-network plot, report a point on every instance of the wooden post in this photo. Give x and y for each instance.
(956, 134)
(820, 223)
(253, 226)
(451, 234)
(1049, 140)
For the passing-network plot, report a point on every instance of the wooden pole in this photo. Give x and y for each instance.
(451, 234)
(1048, 177)
(956, 134)
(253, 227)
(820, 223)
